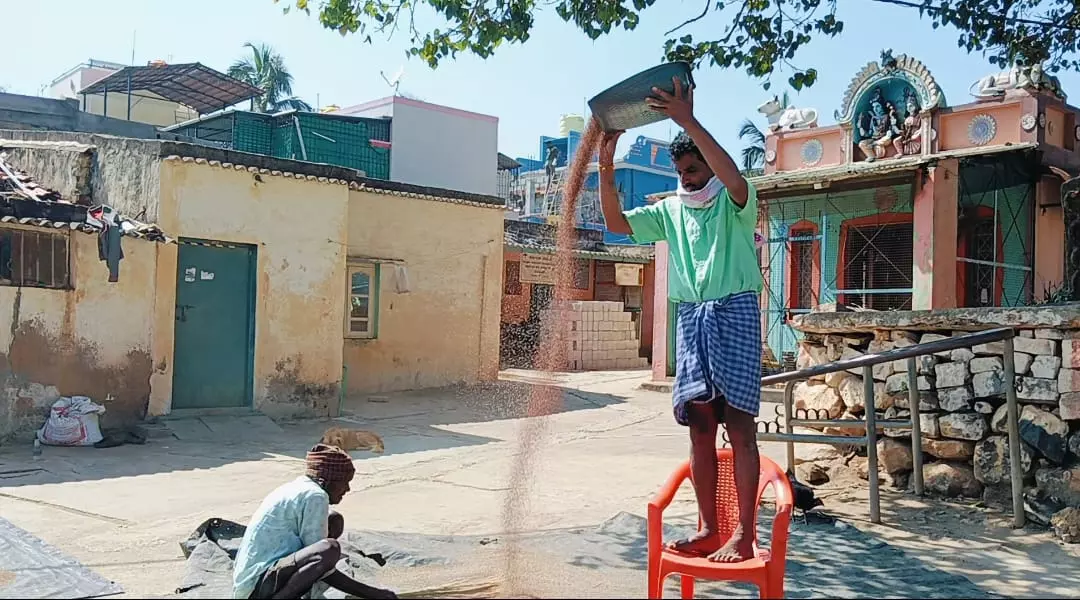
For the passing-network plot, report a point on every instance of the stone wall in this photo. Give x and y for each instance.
(962, 401)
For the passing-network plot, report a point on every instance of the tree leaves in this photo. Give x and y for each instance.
(265, 69)
(760, 37)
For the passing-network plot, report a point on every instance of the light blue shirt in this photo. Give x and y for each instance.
(292, 517)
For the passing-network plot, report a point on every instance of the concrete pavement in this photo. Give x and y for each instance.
(122, 511)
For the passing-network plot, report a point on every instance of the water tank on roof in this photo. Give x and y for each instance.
(568, 123)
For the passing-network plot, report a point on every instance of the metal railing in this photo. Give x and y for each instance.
(872, 424)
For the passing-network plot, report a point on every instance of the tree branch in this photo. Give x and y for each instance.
(705, 11)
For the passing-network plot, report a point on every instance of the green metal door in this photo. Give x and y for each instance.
(213, 355)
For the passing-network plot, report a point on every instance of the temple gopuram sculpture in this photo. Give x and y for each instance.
(888, 108)
(1019, 77)
(877, 127)
(788, 118)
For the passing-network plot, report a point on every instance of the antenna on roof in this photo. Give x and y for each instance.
(133, 33)
(394, 81)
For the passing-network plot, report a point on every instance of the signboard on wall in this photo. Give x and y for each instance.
(538, 268)
(628, 274)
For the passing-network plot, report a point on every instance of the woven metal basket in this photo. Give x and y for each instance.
(622, 106)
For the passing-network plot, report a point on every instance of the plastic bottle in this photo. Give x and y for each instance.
(37, 449)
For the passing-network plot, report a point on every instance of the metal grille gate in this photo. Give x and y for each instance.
(852, 247)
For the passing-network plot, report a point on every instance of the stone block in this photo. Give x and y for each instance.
(1060, 483)
(951, 480)
(852, 393)
(1074, 444)
(983, 407)
(1025, 333)
(961, 355)
(894, 456)
(952, 374)
(1069, 405)
(1046, 367)
(999, 423)
(1070, 353)
(904, 336)
(1034, 389)
(882, 371)
(1068, 381)
(837, 378)
(928, 424)
(991, 460)
(986, 364)
(1022, 362)
(924, 364)
(1035, 346)
(991, 349)
(928, 401)
(1044, 432)
(933, 337)
(1049, 334)
(957, 399)
(948, 449)
(856, 431)
(818, 399)
(989, 384)
(963, 426)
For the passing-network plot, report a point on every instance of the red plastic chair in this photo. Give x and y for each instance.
(765, 571)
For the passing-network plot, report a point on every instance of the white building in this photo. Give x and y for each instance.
(438, 146)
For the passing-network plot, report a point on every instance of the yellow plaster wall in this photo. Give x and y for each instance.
(93, 340)
(445, 330)
(299, 229)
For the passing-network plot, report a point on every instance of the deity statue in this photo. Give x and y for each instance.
(909, 141)
(878, 126)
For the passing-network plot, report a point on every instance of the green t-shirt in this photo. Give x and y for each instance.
(711, 251)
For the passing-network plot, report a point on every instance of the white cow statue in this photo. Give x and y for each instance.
(788, 118)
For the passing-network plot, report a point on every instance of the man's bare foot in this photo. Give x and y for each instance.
(738, 548)
(702, 542)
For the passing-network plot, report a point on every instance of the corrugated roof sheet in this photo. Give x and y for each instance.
(191, 84)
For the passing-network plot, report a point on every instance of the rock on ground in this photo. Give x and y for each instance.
(818, 400)
(811, 473)
(951, 479)
(894, 456)
(948, 449)
(991, 460)
(1045, 432)
(1066, 524)
(1062, 484)
(963, 426)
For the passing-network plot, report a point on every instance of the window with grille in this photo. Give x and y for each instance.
(363, 301)
(34, 259)
(980, 282)
(802, 268)
(878, 257)
(512, 278)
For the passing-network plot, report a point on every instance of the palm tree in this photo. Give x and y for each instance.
(265, 69)
(753, 154)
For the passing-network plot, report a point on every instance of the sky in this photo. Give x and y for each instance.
(526, 86)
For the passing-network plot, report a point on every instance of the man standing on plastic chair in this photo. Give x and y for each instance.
(714, 275)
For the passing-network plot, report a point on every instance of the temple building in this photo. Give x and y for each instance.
(907, 202)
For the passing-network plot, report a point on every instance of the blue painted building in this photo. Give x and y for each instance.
(644, 170)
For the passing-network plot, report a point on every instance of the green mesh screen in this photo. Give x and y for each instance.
(853, 247)
(320, 138)
(995, 233)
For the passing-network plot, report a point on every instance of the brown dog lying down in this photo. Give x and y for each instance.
(353, 439)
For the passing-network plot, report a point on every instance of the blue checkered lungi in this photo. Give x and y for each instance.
(718, 354)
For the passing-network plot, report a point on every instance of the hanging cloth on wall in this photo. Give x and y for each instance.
(109, 249)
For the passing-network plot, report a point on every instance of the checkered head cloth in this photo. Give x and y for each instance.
(329, 464)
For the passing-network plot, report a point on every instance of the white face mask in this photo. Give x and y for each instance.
(702, 198)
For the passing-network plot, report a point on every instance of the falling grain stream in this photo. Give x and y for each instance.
(551, 357)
